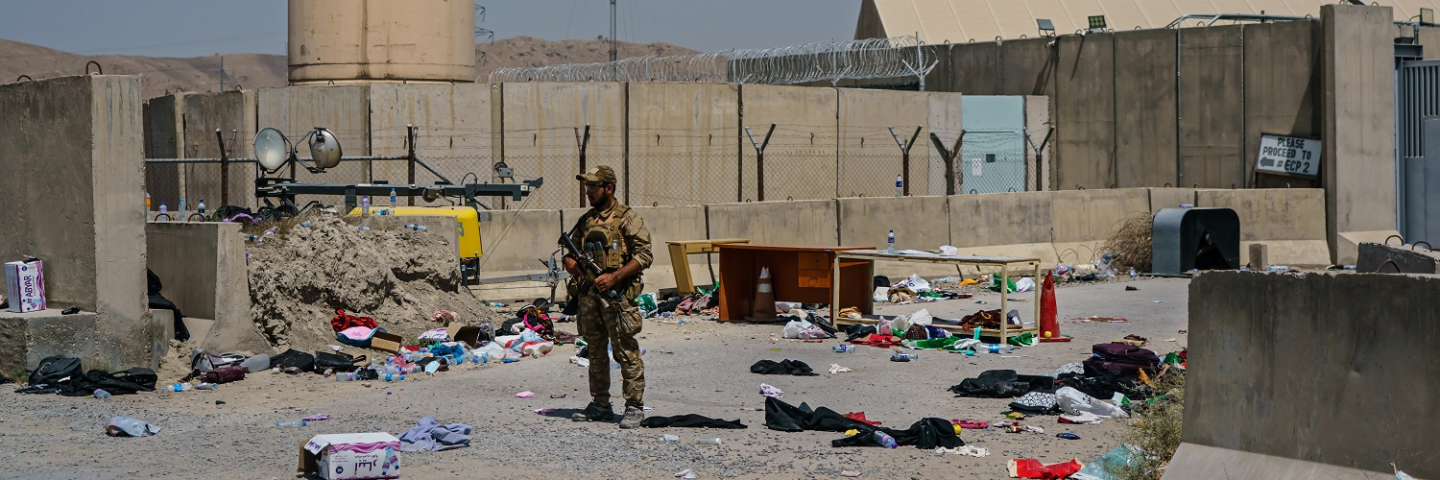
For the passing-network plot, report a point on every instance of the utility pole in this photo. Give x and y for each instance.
(222, 74)
(614, 53)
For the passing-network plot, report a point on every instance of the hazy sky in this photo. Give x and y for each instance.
(192, 28)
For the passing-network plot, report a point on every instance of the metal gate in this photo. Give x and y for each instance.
(992, 155)
(1417, 137)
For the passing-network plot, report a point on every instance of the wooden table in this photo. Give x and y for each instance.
(1005, 264)
(797, 274)
(681, 250)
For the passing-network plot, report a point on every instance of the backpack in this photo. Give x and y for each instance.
(292, 358)
(52, 373)
(339, 362)
(124, 382)
(1121, 359)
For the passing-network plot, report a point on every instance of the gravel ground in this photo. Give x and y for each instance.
(701, 367)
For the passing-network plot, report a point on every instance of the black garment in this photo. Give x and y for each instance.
(784, 367)
(926, 434)
(119, 383)
(789, 418)
(690, 421)
(158, 301)
(859, 331)
(1002, 384)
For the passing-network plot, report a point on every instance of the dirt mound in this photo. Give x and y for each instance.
(399, 277)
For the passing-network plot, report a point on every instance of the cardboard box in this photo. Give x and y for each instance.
(386, 341)
(25, 286)
(351, 456)
(467, 334)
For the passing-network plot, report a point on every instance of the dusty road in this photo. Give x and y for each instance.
(47, 436)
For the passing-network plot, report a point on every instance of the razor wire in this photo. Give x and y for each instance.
(821, 61)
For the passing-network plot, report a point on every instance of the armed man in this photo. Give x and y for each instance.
(614, 248)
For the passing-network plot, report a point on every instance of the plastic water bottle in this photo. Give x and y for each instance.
(164, 209)
(1133, 274)
(181, 209)
(101, 394)
(842, 348)
(296, 423)
(182, 387)
(206, 386)
(667, 438)
(708, 441)
(899, 186)
(147, 201)
(201, 207)
(885, 440)
(365, 205)
(392, 201)
(905, 357)
(890, 243)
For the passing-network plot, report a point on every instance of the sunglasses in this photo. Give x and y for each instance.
(595, 186)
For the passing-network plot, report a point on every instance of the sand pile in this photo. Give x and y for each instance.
(298, 279)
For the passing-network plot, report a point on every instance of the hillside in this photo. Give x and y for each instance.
(201, 74)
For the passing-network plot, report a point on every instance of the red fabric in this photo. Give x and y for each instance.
(342, 321)
(971, 424)
(860, 417)
(1048, 312)
(1031, 468)
(877, 340)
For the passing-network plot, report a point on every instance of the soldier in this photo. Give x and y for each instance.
(616, 239)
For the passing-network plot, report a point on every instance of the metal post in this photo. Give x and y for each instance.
(1039, 167)
(949, 157)
(760, 161)
(905, 156)
(614, 52)
(224, 170)
(582, 142)
(410, 154)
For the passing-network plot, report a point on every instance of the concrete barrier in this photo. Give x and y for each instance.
(920, 223)
(807, 223)
(1003, 224)
(800, 160)
(1290, 222)
(866, 148)
(513, 242)
(200, 264)
(1354, 395)
(683, 143)
(1084, 219)
(344, 110)
(537, 136)
(1165, 197)
(672, 224)
(452, 129)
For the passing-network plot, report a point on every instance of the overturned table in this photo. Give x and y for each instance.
(1007, 265)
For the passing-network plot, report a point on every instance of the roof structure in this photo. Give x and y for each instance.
(960, 21)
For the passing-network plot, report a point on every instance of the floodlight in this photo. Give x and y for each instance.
(1097, 23)
(324, 148)
(1427, 16)
(272, 149)
(1045, 25)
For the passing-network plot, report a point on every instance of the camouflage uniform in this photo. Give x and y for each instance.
(624, 238)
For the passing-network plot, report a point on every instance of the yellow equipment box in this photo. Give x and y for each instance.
(466, 219)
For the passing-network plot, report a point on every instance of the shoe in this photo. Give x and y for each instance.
(632, 419)
(594, 412)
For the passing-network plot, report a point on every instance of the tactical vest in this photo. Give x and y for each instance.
(604, 240)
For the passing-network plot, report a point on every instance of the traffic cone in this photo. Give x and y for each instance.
(764, 297)
(1049, 324)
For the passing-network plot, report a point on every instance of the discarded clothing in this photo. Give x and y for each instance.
(1001, 384)
(771, 392)
(1124, 360)
(971, 424)
(857, 331)
(159, 302)
(789, 418)
(690, 421)
(357, 336)
(342, 321)
(989, 319)
(965, 450)
(1075, 402)
(430, 435)
(860, 417)
(1082, 418)
(1031, 468)
(129, 427)
(928, 433)
(1037, 402)
(784, 367)
(877, 340)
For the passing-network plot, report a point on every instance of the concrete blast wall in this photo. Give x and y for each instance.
(344, 110)
(538, 134)
(77, 202)
(201, 265)
(683, 149)
(1288, 221)
(1355, 398)
(452, 128)
(800, 160)
(869, 159)
(233, 114)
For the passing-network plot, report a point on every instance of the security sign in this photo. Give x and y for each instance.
(1292, 156)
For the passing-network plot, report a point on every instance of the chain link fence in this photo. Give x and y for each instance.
(794, 166)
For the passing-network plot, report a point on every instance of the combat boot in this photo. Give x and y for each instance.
(633, 416)
(594, 412)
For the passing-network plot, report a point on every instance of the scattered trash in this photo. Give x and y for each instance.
(544, 411)
(557, 395)
(1031, 468)
(525, 394)
(317, 417)
(351, 455)
(770, 391)
(1399, 475)
(686, 473)
(905, 357)
(708, 441)
(1104, 319)
(852, 473)
(290, 424)
(667, 438)
(1131, 288)
(1081, 418)
(970, 450)
(1068, 436)
(836, 368)
(430, 435)
(129, 427)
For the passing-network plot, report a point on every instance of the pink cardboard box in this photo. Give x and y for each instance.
(25, 286)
